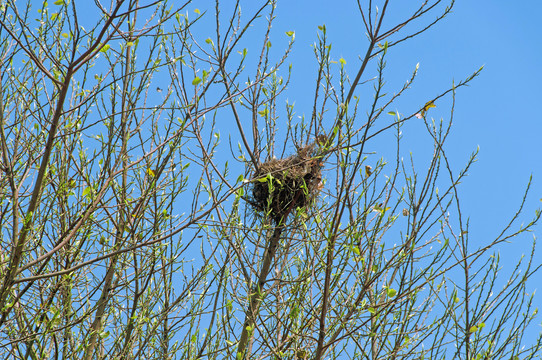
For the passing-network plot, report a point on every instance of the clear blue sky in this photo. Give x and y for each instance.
(499, 112)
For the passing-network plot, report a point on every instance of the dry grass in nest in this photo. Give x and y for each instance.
(282, 185)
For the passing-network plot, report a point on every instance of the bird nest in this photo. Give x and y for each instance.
(282, 185)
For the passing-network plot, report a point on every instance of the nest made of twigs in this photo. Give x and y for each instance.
(282, 185)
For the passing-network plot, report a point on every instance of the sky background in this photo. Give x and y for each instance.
(499, 112)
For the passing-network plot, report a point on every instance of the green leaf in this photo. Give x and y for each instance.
(105, 48)
(342, 61)
(54, 16)
(229, 305)
(392, 113)
(473, 329)
(383, 47)
(391, 292)
(209, 41)
(196, 80)
(59, 2)
(372, 310)
(333, 134)
(87, 191)
(65, 36)
(197, 11)
(290, 33)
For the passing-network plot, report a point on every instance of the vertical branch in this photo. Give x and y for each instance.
(254, 159)
(256, 295)
(28, 222)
